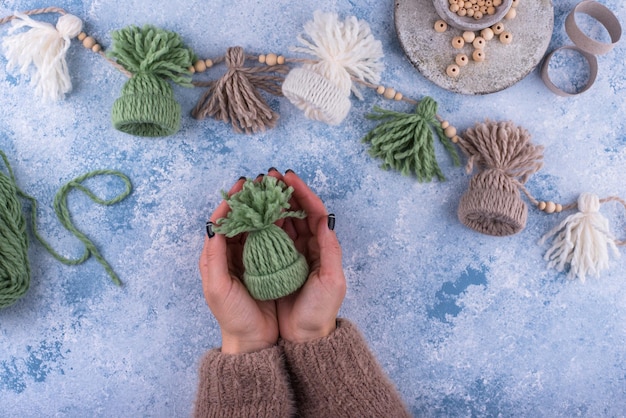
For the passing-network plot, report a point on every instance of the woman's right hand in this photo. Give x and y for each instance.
(311, 312)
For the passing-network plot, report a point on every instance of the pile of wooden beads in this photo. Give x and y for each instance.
(477, 40)
(474, 8)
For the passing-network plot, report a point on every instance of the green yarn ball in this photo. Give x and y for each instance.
(273, 267)
(147, 106)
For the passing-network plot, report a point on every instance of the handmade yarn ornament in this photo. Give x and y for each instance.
(43, 46)
(14, 265)
(405, 141)
(147, 106)
(582, 242)
(505, 158)
(235, 97)
(346, 50)
(273, 267)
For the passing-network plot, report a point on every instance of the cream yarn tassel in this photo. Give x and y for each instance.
(581, 241)
(346, 50)
(44, 46)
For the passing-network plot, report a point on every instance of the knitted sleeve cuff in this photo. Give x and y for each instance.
(244, 385)
(338, 376)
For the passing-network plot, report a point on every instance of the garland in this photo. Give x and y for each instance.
(345, 58)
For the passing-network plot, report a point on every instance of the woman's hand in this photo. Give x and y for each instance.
(246, 324)
(311, 312)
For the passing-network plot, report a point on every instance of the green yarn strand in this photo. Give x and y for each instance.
(62, 211)
(151, 50)
(257, 206)
(14, 265)
(405, 141)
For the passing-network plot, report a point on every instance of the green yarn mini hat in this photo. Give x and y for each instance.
(147, 106)
(273, 267)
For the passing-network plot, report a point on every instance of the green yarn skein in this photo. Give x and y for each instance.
(273, 267)
(147, 106)
(14, 264)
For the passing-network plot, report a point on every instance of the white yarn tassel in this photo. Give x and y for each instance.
(582, 241)
(45, 47)
(345, 49)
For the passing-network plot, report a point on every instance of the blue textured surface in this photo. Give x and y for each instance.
(465, 324)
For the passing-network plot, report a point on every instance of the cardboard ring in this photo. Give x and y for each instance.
(593, 71)
(603, 15)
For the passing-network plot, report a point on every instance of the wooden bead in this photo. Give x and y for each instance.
(389, 93)
(280, 60)
(271, 59)
(470, 12)
(458, 42)
(453, 70)
(450, 131)
(478, 55)
(486, 34)
(497, 3)
(498, 28)
(483, 10)
(506, 37)
(445, 124)
(550, 207)
(262, 59)
(191, 69)
(461, 60)
(479, 42)
(468, 36)
(89, 42)
(462, 12)
(398, 96)
(96, 48)
(454, 8)
(440, 26)
(81, 36)
(510, 14)
(467, 4)
(199, 66)
(541, 205)
(208, 63)
(478, 15)
(453, 1)
(455, 139)
(491, 10)
(514, 3)
(380, 89)
(476, 7)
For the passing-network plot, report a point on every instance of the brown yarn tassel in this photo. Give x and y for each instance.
(505, 158)
(235, 96)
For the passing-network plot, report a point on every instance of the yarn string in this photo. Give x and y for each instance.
(62, 211)
(34, 12)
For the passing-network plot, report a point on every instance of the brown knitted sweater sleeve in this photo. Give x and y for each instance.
(337, 376)
(244, 385)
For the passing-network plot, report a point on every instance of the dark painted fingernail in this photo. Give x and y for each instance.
(331, 221)
(289, 171)
(209, 229)
(259, 176)
(243, 178)
(272, 169)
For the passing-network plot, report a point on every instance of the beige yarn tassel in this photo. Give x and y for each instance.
(583, 241)
(235, 96)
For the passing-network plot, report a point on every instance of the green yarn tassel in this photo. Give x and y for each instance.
(405, 141)
(273, 266)
(147, 106)
(14, 264)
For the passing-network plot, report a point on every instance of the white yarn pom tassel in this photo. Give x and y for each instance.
(582, 241)
(345, 49)
(45, 47)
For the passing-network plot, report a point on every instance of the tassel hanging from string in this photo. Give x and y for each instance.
(45, 47)
(235, 97)
(405, 141)
(583, 242)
